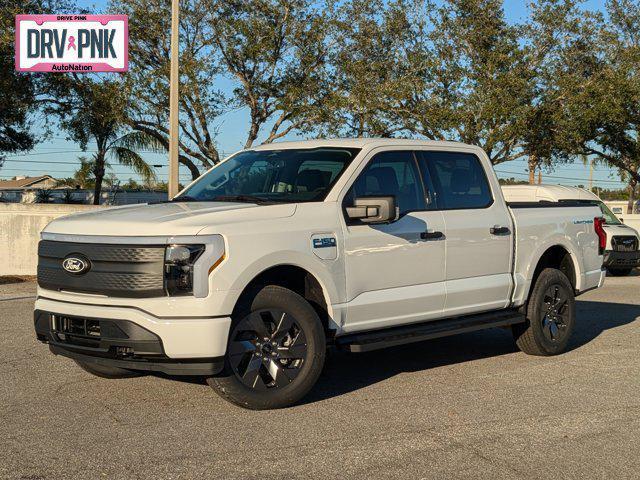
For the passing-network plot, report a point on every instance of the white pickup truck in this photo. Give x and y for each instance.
(253, 270)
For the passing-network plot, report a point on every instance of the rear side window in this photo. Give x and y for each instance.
(458, 179)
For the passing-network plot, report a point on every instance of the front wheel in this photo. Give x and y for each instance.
(275, 353)
(550, 315)
(619, 272)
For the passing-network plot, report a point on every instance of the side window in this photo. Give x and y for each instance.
(458, 179)
(313, 175)
(391, 173)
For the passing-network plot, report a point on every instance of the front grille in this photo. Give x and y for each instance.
(112, 270)
(624, 243)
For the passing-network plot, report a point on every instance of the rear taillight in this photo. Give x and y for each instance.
(598, 226)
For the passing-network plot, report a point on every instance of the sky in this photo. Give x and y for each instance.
(59, 157)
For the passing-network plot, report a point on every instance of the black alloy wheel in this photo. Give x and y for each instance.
(275, 351)
(554, 325)
(267, 349)
(550, 315)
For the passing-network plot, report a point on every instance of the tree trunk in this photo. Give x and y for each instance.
(632, 195)
(98, 173)
(533, 164)
(253, 133)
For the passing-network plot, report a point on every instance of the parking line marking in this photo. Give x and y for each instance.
(24, 297)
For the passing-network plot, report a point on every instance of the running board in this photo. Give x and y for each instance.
(390, 337)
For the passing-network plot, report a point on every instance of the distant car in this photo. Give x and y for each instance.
(621, 255)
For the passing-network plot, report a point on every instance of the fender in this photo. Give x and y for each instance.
(324, 275)
(525, 277)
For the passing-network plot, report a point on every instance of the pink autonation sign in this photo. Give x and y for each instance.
(72, 43)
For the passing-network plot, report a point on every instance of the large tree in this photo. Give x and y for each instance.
(558, 37)
(19, 92)
(466, 79)
(371, 49)
(148, 78)
(602, 93)
(275, 52)
(271, 53)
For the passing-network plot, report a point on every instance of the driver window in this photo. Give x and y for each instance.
(390, 174)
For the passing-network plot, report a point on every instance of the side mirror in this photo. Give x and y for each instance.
(373, 209)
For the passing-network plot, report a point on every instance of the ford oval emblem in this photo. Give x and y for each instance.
(75, 264)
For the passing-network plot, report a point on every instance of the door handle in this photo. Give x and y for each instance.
(431, 235)
(498, 230)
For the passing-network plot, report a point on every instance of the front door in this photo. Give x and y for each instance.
(395, 272)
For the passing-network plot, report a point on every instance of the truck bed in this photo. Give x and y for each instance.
(542, 225)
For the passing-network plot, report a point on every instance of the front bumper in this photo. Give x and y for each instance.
(133, 339)
(616, 259)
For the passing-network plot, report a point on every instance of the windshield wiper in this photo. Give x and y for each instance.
(242, 198)
(185, 198)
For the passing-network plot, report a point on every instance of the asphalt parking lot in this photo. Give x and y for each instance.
(460, 407)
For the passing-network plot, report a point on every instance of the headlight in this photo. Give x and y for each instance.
(179, 263)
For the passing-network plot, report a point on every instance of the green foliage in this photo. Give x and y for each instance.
(95, 110)
(44, 196)
(511, 181)
(148, 79)
(19, 91)
(370, 68)
(561, 83)
(82, 178)
(602, 93)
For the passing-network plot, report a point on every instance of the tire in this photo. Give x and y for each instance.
(550, 316)
(277, 372)
(619, 272)
(103, 371)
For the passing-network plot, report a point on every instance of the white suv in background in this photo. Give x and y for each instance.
(621, 254)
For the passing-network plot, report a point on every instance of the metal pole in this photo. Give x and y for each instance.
(174, 80)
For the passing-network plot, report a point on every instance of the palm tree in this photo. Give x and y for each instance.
(91, 110)
(124, 151)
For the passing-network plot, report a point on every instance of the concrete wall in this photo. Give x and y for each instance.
(124, 197)
(20, 227)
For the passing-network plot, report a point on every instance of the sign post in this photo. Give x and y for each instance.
(174, 80)
(72, 43)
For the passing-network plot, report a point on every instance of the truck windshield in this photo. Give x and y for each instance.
(265, 176)
(608, 215)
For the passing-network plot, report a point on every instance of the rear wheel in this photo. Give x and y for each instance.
(619, 272)
(550, 315)
(107, 372)
(275, 353)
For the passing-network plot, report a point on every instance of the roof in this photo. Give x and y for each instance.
(355, 143)
(552, 193)
(23, 182)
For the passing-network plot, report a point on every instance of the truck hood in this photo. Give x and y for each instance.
(619, 230)
(165, 219)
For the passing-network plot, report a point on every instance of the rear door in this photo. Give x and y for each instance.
(479, 237)
(395, 271)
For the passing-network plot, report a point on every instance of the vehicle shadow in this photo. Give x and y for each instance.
(345, 372)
